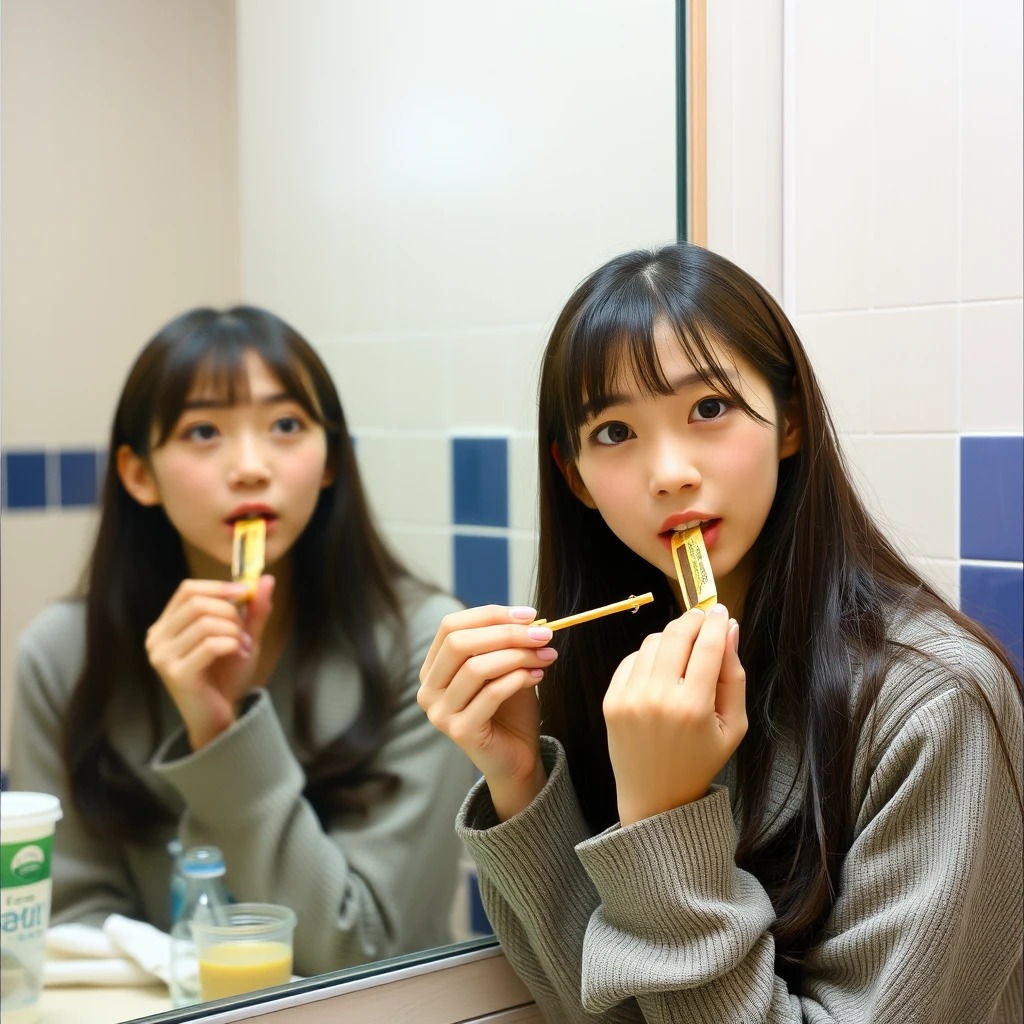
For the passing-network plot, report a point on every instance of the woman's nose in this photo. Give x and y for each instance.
(673, 468)
(249, 464)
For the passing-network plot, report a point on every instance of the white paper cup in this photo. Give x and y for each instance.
(27, 821)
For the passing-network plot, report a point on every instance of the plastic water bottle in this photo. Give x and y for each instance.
(205, 900)
(178, 886)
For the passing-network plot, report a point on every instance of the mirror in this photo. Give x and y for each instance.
(416, 188)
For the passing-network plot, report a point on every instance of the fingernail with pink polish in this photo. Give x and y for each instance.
(537, 673)
(547, 654)
(539, 633)
(522, 612)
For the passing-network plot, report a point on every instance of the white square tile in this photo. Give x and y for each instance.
(911, 485)
(376, 471)
(757, 192)
(913, 370)
(523, 569)
(833, 131)
(992, 148)
(914, 252)
(839, 348)
(397, 384)
(943, 574)
(494, 376)
(992, 367)
(523, 494)
(408, 477)
(426, 550)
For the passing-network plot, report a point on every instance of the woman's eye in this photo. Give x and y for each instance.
(710, 409)
(201, 432)
(287, 424)
(613, 433)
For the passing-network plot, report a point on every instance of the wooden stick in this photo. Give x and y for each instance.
(630, 604)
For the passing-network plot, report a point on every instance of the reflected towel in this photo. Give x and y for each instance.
(122, 952)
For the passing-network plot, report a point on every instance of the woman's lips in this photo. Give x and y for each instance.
(271, 522)
(709, 531)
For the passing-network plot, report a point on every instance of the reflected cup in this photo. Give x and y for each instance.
(27, 822)
(251, 950)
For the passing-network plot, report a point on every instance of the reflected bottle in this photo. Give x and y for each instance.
(205, 900)
(177, 887)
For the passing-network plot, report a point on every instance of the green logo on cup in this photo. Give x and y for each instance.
(25, 863)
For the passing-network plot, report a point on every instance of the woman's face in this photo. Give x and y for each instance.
(264, 456)
(648, 464)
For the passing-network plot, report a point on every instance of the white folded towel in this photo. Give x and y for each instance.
(124, 952)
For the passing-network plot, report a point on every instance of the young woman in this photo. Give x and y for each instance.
(285, 731)
(804, 805)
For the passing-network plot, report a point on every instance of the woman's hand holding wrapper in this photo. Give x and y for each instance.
(206, 653)
(675, 709)
(676, 712)
(477, 688)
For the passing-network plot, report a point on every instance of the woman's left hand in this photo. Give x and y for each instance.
(676, 712)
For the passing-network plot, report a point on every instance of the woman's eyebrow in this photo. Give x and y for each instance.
(686, 380)
(217, 403)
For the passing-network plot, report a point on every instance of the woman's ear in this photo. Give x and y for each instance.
(136, 477)
(792, 433)
(572, 477)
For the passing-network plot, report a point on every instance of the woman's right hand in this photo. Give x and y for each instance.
(206, 655)
(477, 688)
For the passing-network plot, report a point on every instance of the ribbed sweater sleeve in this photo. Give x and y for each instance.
(927, 925)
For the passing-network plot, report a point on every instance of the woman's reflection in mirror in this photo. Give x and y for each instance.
(283, 729)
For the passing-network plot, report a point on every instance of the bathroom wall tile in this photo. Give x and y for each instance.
(992, 498)
(840, 350)
(77, 478)
(992, 366)
(915, 155)
(523, 495)
(995, 597)
(992, 149)
(911, 487)
(426, 550)
(400, 384)
(407, 476)
(943, 574)
(24, 480)
(522, 569)
(480, 481)
(833, 168)
(481, 569)
(913, 370)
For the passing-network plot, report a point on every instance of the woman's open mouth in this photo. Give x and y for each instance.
(709, 529)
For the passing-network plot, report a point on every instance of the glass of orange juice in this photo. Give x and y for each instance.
(250, 949)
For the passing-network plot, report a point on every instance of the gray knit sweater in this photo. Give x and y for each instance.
(367, 887)
(654, 922)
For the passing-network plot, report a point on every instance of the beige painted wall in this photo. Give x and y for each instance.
(120, 208)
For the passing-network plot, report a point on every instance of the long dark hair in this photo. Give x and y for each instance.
(343, 577)
(825, 581)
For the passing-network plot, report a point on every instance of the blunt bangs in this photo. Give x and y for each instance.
(211, 358)
(612, 340)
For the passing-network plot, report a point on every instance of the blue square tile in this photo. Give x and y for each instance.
(992, 498)
(77, 478)
(478, 921)
(994, 595)
(481, 569)
(24, 481)
(480, 481)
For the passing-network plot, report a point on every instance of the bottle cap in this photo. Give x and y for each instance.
(203, 862)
